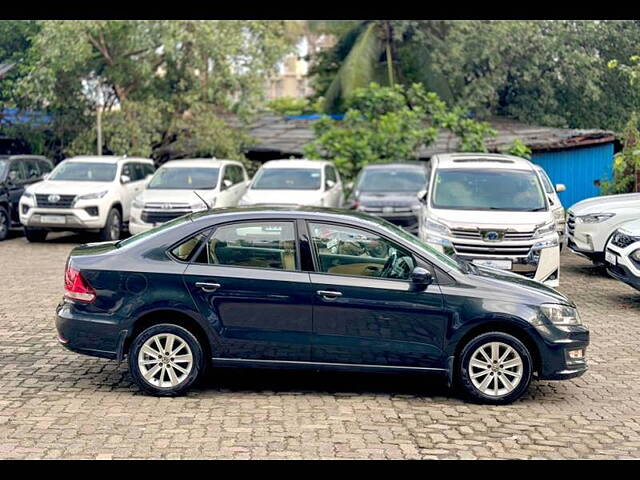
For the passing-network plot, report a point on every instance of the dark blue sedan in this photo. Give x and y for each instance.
(310, 288)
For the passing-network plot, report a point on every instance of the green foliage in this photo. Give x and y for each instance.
(519, 149)
(294, 106)
(626, 163)
(389, 124)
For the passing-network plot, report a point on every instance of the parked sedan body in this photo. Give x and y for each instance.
(295, 182)
(389, 190)
(311, 288)
(182, 186)
(622, 254)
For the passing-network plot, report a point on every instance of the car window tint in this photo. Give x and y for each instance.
(33, 172)
(255, 245)
(187, 248)
(16, 172)
(138, 171)
(45, 166)
(350, 251)
(330, 174)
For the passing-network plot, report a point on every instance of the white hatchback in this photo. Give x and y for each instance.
(295, 182)
(180, 187)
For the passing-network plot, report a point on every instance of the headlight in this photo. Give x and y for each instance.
(559, 215)
(545, 230)
(635, 255)
(561, 315)
(436, 227)
(91, 196)
(416, 208)
(595, 217)
(137, 202)
(28, 195)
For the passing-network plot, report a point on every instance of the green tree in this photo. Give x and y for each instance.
(385, 124)
(626, 163)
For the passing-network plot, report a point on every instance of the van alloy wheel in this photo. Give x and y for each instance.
(165, 360)
(4, 225)
(495, 369)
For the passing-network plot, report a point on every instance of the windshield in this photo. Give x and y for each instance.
(84, 172)
(415, 241)
(509, 190)
(287, 179)
(387, 180)
(185, 178)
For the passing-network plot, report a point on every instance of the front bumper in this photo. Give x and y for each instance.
(74, 218)
(554, 346)
(624, 269)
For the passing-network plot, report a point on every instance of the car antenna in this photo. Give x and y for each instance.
(203, 200)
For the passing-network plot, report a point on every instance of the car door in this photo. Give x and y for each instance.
(247, 282)
(16, 181)
(225, 197)
(361, 313)
(132, 187)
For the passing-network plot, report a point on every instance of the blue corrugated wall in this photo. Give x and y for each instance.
(577, 168)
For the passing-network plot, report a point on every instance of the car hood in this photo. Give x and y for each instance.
(512, 284)
(387, 199)
(175, 196)
(610, 203)
(282, 197)
(68, 188)
(631, 228)
(519, 221)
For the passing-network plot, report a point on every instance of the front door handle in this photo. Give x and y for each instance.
(329, 294)
(208, 287)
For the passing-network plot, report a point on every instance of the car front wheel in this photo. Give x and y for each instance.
(494, 368)
(35, 234)
(5, 223)
(165, 360)
(113, 227)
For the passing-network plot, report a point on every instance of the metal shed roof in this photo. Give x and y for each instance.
(287, 136)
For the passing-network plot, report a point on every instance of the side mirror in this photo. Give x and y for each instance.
(422, 195)
(45, 176)
(125, 179)
(226, 183)
(560, 187)
(421, 278)
(330, 184)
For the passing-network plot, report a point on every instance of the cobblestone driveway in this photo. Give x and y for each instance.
(55, 404)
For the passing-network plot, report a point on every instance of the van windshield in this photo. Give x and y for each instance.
(387, 180)
(470, 189)
(85, 172)
(287, 179)
(185, 178)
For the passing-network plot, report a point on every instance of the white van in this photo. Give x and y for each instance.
(180, 186)
(492, 210)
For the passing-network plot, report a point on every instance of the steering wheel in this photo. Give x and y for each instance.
(387, 269)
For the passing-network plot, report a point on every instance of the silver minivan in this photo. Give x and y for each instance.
(491, 210)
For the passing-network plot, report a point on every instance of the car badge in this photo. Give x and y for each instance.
(55, 198)
(166, 206)
(492, 236)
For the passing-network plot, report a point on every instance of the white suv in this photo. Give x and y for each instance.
(591, 222)
(296, 182)
(622, 254)
(84, 193)
(491, 210)
(180, 186)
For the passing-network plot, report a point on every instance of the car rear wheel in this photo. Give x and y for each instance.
(165, 360)
(494, 368)
(113, 227)
(35, 234)
(5, 223)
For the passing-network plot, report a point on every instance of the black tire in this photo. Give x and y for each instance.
(35, 234)
(5, 223)
(463, 370)
(113, 227)
(194, 374)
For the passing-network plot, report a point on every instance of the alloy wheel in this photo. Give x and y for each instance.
(165, 360)
(4, 225)
(114, 228)
(495, 369)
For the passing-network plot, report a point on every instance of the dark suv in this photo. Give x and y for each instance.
(311, 288)
(16, 172)
(389, 190)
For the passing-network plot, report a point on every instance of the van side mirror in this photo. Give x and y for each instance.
(421, 278)
(125, 179)
(422, 195)
(226, 183)
(560, 187)
(330, 184)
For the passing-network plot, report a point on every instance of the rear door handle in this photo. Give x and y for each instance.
(208, 287)
(329, 294)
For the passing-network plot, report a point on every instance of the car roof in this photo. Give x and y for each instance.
(482, 160)
(106, 158)
(396, 165)
(18, 156)
(296, 163)
(199, 162)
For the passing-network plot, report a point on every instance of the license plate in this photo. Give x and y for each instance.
(57, 219)
(501, 264)
(611, 257)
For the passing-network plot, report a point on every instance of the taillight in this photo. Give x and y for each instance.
(76, 287)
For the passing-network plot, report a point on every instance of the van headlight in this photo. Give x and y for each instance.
(434, 226)
(545, 230)
(635, 256)
(561, 315)
(137, 202)
(595, 217)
